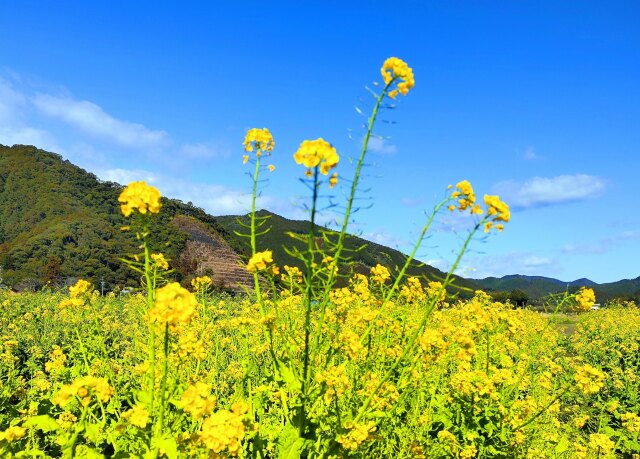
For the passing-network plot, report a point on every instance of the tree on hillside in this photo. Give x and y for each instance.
(519, 297)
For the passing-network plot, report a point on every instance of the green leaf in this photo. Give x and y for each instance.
(92, 432)
(44, 422)
(168, 446)
(290, 443)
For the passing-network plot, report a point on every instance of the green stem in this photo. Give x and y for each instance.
(158, 427)
(343, 231)
(307, 299)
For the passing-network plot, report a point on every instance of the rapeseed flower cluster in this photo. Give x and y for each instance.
(262, 261)
(197, 400)
(380, 274)
(466, 198)
(224, 430)
(141, 197)
(174, 305)
(498, 210)
(585, 299)
(259, 140)
(314, 153)
(589, 379)
(201, 283)
(80, 288)
(159, 260)
(396, 70)
(85, 389)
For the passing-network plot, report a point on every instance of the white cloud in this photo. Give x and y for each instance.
(203, 151)
(602, 245)
(12, 103)
(530, 154)
(214, 199)
(92, 119)
(381, 146)
(382, 237)
(543, 191)
(511, 263)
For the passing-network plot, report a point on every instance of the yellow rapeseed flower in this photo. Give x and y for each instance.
(380, 274)
(141, 197)
(589, 379)
(260, 261)
(160, 261)
(13, 433)
(497, 209)
(174, 305)
(137, 416)
(333, 181)
(201, 283)
(585, 299)
(601, 444)
(319, 152)
(396, 70)
(467, 198)
(197, 400)
(224, 430)
(84, 388)
(271, 167)
(259, 140)
(81, 287)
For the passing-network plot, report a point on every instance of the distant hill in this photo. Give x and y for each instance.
(59, 222)
(538, 286)
(362, 254)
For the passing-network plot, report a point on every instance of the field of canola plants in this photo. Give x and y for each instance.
(388, 366)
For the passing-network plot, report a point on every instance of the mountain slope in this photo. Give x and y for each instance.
(60, 222)
(362, 254)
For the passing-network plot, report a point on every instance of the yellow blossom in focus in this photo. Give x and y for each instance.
(467, 198)
(395, 69)
(174, 305)
(260, 261)
(259, 139)
(245, 159)
(319, 152)
(81, 287)
(589, 379)
(271, 167)
(141, 197)
(160, 261)
(497, 209)
(585, 298)
(380, 274)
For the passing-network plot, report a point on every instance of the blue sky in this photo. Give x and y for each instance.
(536, 101)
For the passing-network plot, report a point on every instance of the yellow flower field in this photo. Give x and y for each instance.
(385, 366)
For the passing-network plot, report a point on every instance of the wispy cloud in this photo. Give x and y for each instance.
(93, 120)
(530, 154)
(382, 146)
(602, 245)
(548, 191)
(511, 263)
(203, 151)
(383, 237)
(215, 199)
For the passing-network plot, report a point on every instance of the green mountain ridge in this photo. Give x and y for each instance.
(58, 221)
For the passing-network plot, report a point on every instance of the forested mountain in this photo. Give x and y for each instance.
(59, 222)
